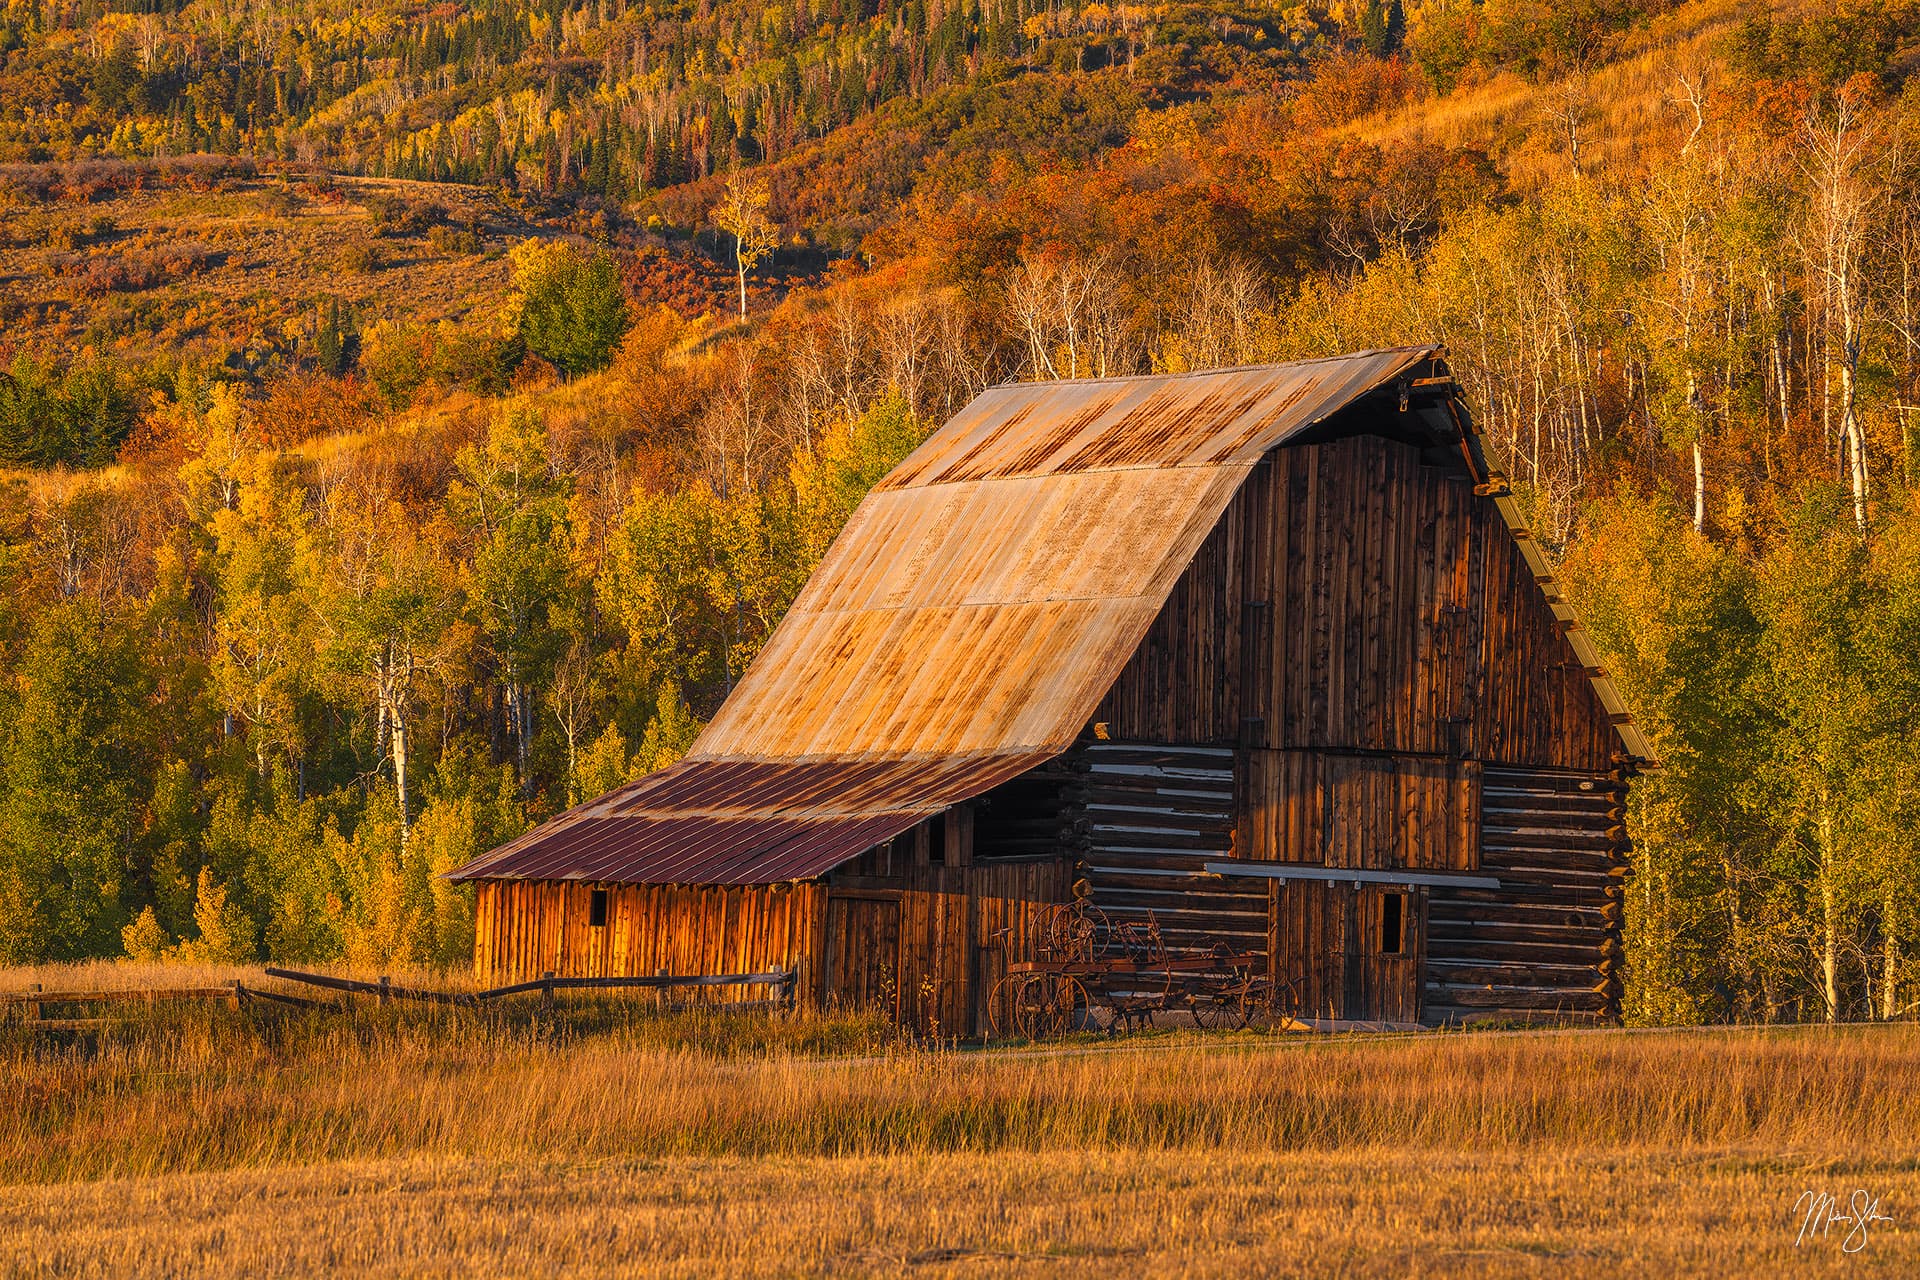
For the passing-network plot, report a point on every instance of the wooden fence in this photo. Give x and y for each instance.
(31, 1005)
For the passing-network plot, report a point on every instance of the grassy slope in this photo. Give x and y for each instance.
(1625, 108)
(280, 254)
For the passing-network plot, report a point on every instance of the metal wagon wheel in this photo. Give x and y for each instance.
(1049, 1004)
(1224, 1006)
(1000, 1004)
(1074, 931)
(1225, 997)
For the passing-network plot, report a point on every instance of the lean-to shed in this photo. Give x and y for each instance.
(1266, 651)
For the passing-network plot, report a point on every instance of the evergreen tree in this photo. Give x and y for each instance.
(329, 346)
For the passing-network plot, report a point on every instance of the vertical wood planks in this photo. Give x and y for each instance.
(1398, 617)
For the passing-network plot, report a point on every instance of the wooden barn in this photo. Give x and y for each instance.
(1266, 652)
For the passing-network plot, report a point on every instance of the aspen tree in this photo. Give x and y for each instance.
(742, 214)
(1841, 200)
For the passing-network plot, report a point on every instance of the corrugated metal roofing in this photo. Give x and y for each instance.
(742, 821)
(960, 630)
(990, 589)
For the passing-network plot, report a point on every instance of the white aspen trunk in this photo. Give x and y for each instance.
(1699, 488)
(1829, 916)
(1699, 454)
(519, 719)
(400, 772)
(392, 680)
(573, 760)
(1856, 438)
(1889, 955)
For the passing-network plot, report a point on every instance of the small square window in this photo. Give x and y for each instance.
(597, 909)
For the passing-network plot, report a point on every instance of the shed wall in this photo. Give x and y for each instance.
(527, 928)
(924, 943)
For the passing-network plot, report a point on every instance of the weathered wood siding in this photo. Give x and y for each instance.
(1355, 598)
(1359, 811)
(526, 928)
(943, 934)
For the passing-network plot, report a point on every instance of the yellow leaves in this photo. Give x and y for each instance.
(226, 933)
(144, 940)
(1172, 131)
(669, 736)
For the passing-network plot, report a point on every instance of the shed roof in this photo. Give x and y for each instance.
(961, 629)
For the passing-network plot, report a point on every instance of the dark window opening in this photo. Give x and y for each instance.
(597, 909)
(937, 840)
(1393, 932)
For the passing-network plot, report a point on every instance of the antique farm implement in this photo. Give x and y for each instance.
(1090, 972)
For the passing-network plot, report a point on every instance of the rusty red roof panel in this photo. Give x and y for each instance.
(742, 821)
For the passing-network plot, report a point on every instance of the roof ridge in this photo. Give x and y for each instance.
(1439, 349)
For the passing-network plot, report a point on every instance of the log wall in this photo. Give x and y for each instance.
(1155, 815)
(1546, 943)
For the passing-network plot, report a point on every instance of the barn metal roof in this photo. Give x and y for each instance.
(962, 627)
(742, 821)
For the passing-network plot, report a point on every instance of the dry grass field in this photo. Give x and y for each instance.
(604, 1137)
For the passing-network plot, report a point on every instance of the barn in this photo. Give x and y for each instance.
(1268, 653)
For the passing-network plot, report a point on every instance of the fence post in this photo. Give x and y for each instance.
(39, 1013)
(546, 980)
(239, 995)
(386, 984)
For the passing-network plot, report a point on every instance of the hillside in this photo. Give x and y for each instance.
(129, 262)
(392, 464)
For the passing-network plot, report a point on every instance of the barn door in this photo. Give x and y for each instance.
(1385, 949)
(863, 952)
(1349, 952)
(1307, 946)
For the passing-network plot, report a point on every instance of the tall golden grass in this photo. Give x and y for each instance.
(204, 1089)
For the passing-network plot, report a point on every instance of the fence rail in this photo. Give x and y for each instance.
(782, 978)
(33, 1001)
(384, 988)
(120, 994)
(547, 984)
